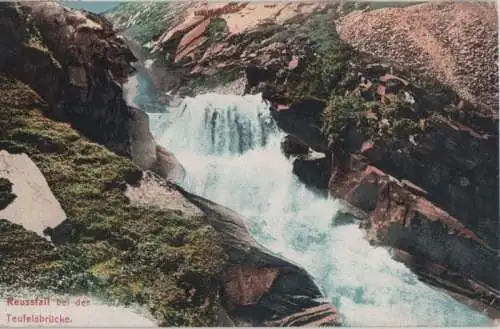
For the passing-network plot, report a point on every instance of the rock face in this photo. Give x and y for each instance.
(301, 119)
(406, 105)
(75, 61)
(258, 287)
(210, 44)
(314, 171)
(291, 145)
(429, 185)
(79, 73)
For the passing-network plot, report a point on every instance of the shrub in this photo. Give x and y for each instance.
(216, 29)
(341, 113)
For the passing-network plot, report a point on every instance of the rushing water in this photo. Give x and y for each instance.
(230, 148)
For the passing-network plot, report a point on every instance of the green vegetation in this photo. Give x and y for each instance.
(145, 19)
(117, 251)
(373, 119)
(327, 61)
(332, 73)
(342, 113)
(216, 29)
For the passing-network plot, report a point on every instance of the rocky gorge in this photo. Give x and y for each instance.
(413, 156)
(403, 116)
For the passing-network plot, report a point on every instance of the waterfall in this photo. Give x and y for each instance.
(230, 148)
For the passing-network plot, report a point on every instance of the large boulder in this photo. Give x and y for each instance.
(314, 170)
(77, 63)
(302, 121)
(291, 145)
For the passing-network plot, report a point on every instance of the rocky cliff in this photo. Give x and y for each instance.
(122, 232)
(404, 113)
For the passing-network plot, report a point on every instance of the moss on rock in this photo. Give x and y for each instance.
(117, 251)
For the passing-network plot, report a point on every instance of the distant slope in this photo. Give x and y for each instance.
(454, 42)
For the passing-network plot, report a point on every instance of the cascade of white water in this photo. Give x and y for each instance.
(230, 149)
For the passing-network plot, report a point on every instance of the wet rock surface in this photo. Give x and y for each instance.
(260, 288)
(314, 171)
(291, 145)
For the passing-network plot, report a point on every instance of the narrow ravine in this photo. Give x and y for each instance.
(230, 148)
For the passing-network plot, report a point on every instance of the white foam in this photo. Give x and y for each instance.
(367, 286)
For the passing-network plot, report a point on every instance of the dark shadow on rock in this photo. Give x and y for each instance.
(6, 195)
(313, 172)
(62, 233)
(291, 145)
(299, 122)
(292, 291)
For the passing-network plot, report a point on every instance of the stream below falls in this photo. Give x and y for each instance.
(230, 148)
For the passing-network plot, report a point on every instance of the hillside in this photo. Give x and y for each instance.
(455, 43)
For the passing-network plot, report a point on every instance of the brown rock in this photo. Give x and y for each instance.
(195, 33)
(245, 285)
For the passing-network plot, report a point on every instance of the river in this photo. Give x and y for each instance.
(230, 148)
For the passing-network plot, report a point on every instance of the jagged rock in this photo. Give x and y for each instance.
(143, 148)
(194, 61)
(168, 166)
(245, 285)
(428, 235)
(291, 145)
(301, 121)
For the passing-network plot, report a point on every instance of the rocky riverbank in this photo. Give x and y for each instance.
(114, 227)
(406, 119)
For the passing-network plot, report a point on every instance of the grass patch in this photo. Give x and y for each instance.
(216, 30)
(114, 250)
